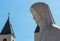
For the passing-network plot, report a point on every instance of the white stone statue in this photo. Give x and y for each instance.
(44, 19)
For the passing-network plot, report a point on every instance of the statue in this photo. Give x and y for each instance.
(44, 19)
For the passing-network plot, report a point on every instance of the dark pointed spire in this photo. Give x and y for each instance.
(7, 30)
(37, 29)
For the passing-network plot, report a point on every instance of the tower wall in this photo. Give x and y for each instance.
(12, 38)
(37, 36)
(7, 37)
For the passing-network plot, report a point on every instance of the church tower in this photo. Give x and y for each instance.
(7, 33)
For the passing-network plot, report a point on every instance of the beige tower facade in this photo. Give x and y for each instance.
(7, 33)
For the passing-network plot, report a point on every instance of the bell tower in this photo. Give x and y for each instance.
(7, 33)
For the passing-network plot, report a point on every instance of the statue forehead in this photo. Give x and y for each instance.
(39, 4)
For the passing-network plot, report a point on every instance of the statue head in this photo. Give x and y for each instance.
(42, 14)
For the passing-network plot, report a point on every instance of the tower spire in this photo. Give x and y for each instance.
(8, 28)
(8, 15)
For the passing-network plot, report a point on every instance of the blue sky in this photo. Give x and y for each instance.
(21, 17)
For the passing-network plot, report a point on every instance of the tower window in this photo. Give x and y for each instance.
(4, 39)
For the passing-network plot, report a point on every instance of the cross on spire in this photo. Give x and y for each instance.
(8, 15)
(7, 30)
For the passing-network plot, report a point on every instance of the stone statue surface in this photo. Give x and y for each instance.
(44, 19)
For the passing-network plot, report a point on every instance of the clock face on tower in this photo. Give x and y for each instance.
(4, 39)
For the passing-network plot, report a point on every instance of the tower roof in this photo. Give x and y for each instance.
(7, 30)
(37, 29)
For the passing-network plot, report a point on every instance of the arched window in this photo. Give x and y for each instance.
(4, 39)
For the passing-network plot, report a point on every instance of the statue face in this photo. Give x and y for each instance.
(39, 20)
(35, 16)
